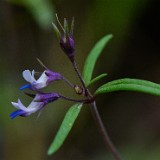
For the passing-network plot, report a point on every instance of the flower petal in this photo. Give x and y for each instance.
(43, 78)
(17, 113)
(28, 76)
(41, 82)
(35, 106)
(26, 86)
(53, 76)
(19, 105)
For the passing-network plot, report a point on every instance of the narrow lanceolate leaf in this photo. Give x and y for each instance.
(130, 85)
(97, 78)
(92, 58)
(65, 128)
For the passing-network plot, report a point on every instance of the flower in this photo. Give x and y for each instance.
(46, 77)
(40, 100)
(66, 40)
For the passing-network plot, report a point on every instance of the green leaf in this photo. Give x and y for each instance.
(130, 85)
(92, 58)
(97, 78)
(65, 128)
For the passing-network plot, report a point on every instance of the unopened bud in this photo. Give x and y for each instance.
(67, 45)
(79, 90)
(66, 39)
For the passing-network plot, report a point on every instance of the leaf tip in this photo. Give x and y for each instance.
(110, 36)
(50, 151)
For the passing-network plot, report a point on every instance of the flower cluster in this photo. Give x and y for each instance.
(41, 99)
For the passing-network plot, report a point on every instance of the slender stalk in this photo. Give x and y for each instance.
(97, 118)
(74, 100)
(103, 131)
(79, 74)
(68, 82)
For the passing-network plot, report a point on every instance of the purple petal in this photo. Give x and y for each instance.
(67, 45)
(47, 97)
(53, 76)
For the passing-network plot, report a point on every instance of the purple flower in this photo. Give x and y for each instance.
(46, 77)
(66, 40)
(40, 100)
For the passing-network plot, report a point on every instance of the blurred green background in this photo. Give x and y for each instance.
(132, 119)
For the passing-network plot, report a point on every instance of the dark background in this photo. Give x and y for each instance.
(132, 119)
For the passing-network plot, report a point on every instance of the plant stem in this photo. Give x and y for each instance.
(97, 118)
(74, 100)
(103, 131)
(79, 74)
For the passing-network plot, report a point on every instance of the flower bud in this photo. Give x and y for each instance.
(66, 40)
(67, 45)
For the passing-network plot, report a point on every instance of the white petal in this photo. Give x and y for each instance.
(19, 105)
(33, 72)
(16, 105)
(28, 76)
(43, 78)
(42, 81)
(34, 106)
(39, 85)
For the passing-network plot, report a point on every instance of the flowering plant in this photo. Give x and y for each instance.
(41, 99)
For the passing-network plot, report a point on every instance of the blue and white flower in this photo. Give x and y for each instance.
(40, 100)
(46, 77)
